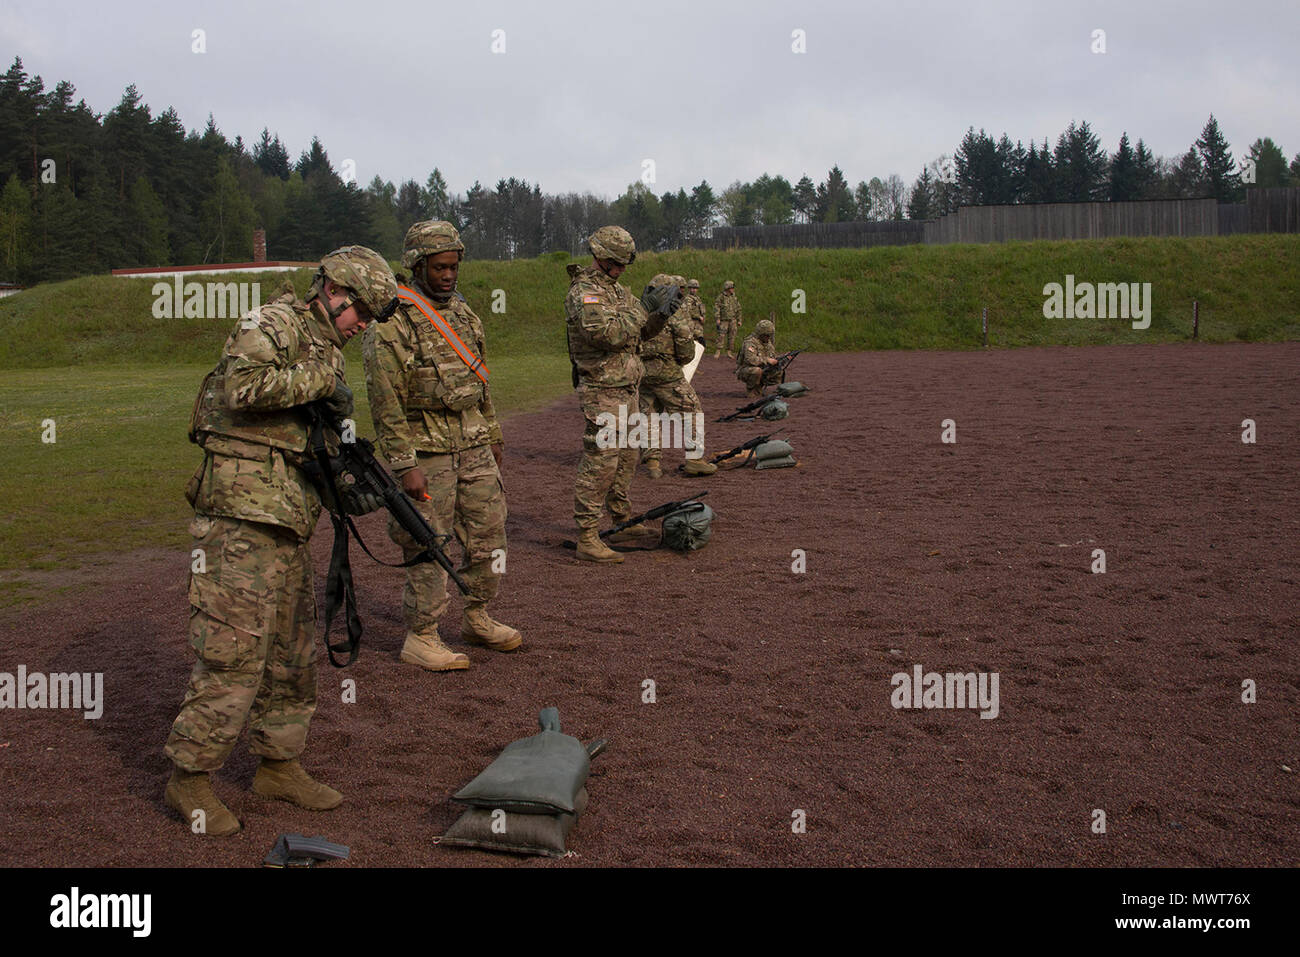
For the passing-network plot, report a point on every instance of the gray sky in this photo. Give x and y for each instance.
(584, 94)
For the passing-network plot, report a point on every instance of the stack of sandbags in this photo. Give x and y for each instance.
(529, 798)
(776, 454)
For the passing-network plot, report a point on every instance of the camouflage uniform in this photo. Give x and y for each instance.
(604, 322)
(663, 387)
(253, 608)
(694, 308)
(751, 365)
(726, 314)
(431, 412)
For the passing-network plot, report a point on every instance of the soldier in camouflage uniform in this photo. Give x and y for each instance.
(726, 314)
(695, 309)
(605, 324)
(253, 608)
(438, 430)
(756, 366)
(664, 388)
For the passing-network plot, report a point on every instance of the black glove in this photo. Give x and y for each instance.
(355, 500)
(340, 401)
(661, 300)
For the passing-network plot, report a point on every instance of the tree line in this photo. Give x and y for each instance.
(84, 192)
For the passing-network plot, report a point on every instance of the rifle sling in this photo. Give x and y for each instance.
(338, 581)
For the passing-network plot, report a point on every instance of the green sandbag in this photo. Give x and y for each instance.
(790, 390)
(688, 528)
(543, 834)
(541, 774)
(775, 409)
(776, 454)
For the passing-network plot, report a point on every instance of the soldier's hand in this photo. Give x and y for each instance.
(415, 484)
(661, 300)
(357, 501)
(340, 401)
(771, 362)
(498, 450)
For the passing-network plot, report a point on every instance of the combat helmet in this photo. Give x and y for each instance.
(613, 242)
(429, 238)
(694, 284)
(728, 285)
(364, 272)
(765, 327)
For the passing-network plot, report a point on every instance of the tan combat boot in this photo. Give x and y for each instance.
(432, 655)
(653, 469)
(717, 354)
(639, 530)
(592, 549)
(699, 467)
(478, 628)
(190, 791)
(287, 781)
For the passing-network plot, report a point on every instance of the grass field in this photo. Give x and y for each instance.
(118, 382)
(900, 297)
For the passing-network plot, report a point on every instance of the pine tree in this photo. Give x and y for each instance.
(1123, 173)
(920, 205)
(15, 230)
(1146, 173)
(1222, 180)
(1187, 180)
(147, 226)
(805, 199)
(1270, 164)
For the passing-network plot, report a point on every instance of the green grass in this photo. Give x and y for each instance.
(113, 479)
(893, 297)
(119, 383)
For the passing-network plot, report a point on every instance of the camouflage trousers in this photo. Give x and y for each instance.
(755, 377)
(253, 626)
(674, 395)
(604, 475)
(467, 499)
(728, 332)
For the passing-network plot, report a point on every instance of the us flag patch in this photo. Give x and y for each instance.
(590, 300)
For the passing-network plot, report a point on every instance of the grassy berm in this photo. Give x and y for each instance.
(117, 382)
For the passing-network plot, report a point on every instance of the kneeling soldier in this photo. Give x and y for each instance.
(756, 365)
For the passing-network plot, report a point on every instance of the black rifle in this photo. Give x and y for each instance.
(752, 407)
(659, 511)
(746, 447)
(357, 459)
(784, 359)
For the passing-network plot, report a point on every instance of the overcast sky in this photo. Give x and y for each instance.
(584, 94)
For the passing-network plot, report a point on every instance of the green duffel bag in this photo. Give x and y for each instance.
(776, 454)
(688, 528)
(790, 390)
(542, 774)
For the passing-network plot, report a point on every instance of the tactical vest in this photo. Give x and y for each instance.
(213, 423)
(598, 364)
(440, 380)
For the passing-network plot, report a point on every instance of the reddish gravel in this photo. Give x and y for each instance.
(1118, 691)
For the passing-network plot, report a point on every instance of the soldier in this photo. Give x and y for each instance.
(437, 428)
(664, 388)
(756, 366)
(253, 607)
(726, 314)
(695, 309)
(605, 324)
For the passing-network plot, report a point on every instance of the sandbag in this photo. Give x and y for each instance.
(790, 390)
(776, 409)
(542, 774)
(492, 830)
(688, 528)
(776, 454)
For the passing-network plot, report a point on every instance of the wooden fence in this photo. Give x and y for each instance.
(1264, 211)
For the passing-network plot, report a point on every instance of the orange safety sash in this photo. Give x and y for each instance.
(467, 355)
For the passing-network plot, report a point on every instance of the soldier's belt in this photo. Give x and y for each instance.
(467, 355)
